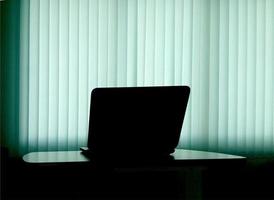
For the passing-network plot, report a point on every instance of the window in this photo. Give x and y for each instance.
(222, 49)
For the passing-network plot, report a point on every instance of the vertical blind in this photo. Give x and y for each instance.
(222, 49)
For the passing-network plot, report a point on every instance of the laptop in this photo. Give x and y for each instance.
(135, 121)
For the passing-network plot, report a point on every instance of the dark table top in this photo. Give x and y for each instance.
(180, 156)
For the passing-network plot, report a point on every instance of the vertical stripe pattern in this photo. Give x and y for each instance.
(222, 49)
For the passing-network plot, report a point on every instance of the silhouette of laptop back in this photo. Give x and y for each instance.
(136, 121)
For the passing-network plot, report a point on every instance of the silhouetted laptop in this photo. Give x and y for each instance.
(135, 121)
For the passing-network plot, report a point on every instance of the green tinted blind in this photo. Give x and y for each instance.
(222, 49)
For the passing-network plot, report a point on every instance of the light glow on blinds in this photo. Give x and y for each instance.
(222, 49)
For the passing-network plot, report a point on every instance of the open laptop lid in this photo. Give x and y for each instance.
(136, 120)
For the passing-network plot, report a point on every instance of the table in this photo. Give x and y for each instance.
(180, 155)
(190, 162)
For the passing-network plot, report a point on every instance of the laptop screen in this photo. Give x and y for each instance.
(136, 120)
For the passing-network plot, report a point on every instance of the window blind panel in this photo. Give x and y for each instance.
(34, 78)
(269, 77)
(169, 43)
(213, 75)
(24, 77)
(251, 75)
(102, 42)
(9, 77)
(185, 139)
(223, 78)
(232, 74)
(204, 73)
(242, 69)
(84, 94)
(112, 43)
(260, 76)
(141, 32)
(131, 43)
(73, 73)
(63, 75)
(150, 43)
(159, 42)
(93, 43)
(43, 76)
(122, 43)
(53, 68)
(178, 41)
(195, 75)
